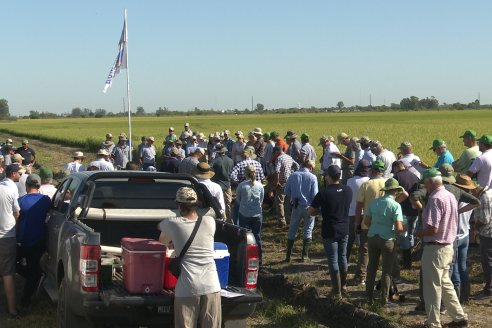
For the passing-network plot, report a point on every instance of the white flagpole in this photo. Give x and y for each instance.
(128, 89)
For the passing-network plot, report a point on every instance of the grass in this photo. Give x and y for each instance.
(390, 128)
(274, 313)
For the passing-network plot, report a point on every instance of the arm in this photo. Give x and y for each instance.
(401, 197)
(16, 215)
(399, 226)
(358, 214)
(429, 231)
(368, 221)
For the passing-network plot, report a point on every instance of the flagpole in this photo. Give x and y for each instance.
(128, 89)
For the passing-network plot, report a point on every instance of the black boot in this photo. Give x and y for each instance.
(336, 283)
(290, 245)
(305, 250)
(407, 259)
(343, 281)
(458, 292)
(465, 293)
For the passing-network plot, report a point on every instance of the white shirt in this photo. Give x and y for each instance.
(21, 185)
(12, 185)
(102, 165)
(73, 167)
(369, 156)
(388, 157)
(412, 163)
(198, 272)
(329, 159)
(482, 167)
(354, 183)
(8, 205)
(48, 190)
(216, 192)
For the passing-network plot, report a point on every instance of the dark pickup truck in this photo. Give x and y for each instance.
(92, 211)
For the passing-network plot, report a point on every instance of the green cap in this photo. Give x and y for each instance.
(45, 173)
(25, 141)
(266, 135)
(437, 143)
(486, 139)
(447, 173)
(274, 134)
(378, 166)
(392, 184)
(469, 133)
(430, 173)
(305, 136)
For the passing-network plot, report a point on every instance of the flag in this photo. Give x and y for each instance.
(121, 59)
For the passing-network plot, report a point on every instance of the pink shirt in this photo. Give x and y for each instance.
(441, 212)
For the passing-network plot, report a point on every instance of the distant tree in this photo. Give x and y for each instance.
(4, 109)
(162, 111)
(411, 103)
(87, 112)
(429, 103)
(259, 108)
(34, 115)
(76, 112)
(100, 113)
(340, 105)
(140, 111)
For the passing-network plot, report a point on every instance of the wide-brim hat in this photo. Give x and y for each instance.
(465, 182)
(78, 154)
(257, 131)
(220, 148)
(392, 184)
(249, 152)
(150, 139)
(203, 171)
(342, 136)
(103, 152)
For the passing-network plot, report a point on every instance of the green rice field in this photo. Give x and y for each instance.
(390, 128)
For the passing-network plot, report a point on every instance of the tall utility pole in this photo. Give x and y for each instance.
(370, 100)
(252, 108)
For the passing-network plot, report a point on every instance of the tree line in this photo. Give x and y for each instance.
(406, 104)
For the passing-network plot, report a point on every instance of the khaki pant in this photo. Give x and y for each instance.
(379, 247)
(436, 260)
(228, 201)
(363, 258)
(205, 310)
(280, 204)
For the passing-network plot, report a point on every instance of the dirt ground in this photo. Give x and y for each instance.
(315, 273)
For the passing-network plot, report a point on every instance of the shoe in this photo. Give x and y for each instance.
(388, 305)
(443, 310)
(14, 317)
(483, 295)
(461, 323)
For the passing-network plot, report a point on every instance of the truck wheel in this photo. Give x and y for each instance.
(235, 324)
(64, 317)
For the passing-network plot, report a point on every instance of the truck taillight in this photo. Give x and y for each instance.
(90, 258)
(252, 266)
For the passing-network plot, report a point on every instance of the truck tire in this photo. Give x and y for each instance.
(64, 317)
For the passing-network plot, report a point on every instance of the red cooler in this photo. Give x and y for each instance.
(169, 279)
(143, 265)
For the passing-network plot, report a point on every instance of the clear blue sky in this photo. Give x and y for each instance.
(55, 55)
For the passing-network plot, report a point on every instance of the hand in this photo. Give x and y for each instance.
(336, 154)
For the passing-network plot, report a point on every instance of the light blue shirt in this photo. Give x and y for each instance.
(384, 212)
(445, 158)
(250, 198)
(302, 185)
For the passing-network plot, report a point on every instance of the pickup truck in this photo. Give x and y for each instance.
(92, 211)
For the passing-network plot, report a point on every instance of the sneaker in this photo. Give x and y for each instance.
(461, 323)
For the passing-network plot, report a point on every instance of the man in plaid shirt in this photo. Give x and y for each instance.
(284, 166)
(238, 172)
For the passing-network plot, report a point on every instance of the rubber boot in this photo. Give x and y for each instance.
(290, 245)
(336, 289)
(305, 250)
(343, 281)
(465, 293)
(407, 259)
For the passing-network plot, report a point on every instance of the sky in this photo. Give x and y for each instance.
(56, 55)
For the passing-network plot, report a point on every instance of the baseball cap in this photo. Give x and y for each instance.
(364, 140)
(13, 168)
(9, 141)
(239, 134)
(249, 151)
(447, 173)
(33, 180)
(199, 150)
(186, 195)
(274, 134)
(430, 173)
(469, 133)
(174, 151)
(378, 166)
(193, 137)
(437, 143)
(171, 128)
(25, 141)
(220, 148)
(45, 173)
(78, 154)
(266, 135)
(305, 136)
(150, 138)
(290, 134)
(486, 139)
(187, 124)
(109, 135)
(334, 172)
(405, 145)
(342, 136)
(322, 140)
(376, 143)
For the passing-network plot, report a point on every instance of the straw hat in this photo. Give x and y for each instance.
(78, 154)
(465, 182)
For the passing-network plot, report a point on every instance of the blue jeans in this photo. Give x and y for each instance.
(253, 224)
(235, 213)
(336, 251)
(295, 219)
(407, 241)
(460, 272)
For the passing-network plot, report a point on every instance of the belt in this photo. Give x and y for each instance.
(436, 243)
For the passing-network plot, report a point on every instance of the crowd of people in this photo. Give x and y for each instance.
(367, 197)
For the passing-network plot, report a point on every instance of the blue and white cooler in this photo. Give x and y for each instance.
(221, 257)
